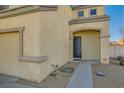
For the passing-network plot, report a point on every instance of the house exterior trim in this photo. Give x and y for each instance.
(10, 30)
(21, 57)
(25, 10)
(89, 19)
(85, 6)
(37, 59)
(107, 36)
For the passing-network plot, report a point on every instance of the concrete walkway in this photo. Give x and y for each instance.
(7, 81)
(82, 77)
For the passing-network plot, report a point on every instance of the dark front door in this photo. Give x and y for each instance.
(77, 47)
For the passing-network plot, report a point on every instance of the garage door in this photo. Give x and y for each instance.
(9, 52)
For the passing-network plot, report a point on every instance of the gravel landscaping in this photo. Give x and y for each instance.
(59, 81)
(114, 76)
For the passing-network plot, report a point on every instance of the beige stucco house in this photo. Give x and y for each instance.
(33, 37)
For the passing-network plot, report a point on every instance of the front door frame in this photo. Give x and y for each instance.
(80, 47)
(71, 42)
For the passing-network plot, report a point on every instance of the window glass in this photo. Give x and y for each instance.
(93, 12)
(80, 13)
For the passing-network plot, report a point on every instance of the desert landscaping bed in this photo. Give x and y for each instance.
(114, 76)
(59, 81)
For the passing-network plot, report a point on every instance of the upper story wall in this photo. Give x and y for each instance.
(87, 11)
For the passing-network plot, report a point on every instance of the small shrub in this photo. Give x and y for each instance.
(122, 62)
(119, 58)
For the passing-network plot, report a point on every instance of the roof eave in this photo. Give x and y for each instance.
(85, 6)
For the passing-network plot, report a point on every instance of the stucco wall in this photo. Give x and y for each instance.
(90, 44)
(31, 45)
(54, 39)
(116, 50)
(15, 6)
(103, 27)
(100, 11)
(46, 33)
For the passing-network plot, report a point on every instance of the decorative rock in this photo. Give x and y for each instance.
(100, 74)
(66, 69)
(57, 76)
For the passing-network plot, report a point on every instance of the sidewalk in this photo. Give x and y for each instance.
(82, 77)
(7, 81)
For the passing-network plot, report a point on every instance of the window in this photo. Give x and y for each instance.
(93, 12)
(3, 7)
(81, 13)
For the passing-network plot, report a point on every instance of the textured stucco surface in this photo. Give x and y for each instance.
(90, 44)
(103, 27)
(15, 6)
(100, 11)
(56, 45)
(31, 46)
(47, 33)
(42, 36)
(116, 50)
